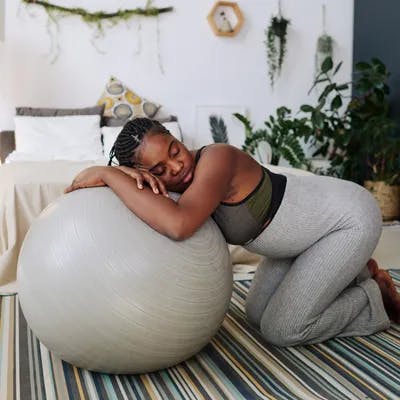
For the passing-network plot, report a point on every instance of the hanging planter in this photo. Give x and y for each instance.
(276, 38)
(324, 46)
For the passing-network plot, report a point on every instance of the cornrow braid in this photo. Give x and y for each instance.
(130, 137)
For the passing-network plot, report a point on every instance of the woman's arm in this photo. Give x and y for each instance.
(177, 220)
(157, 211)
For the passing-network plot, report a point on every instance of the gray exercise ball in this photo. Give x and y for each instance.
(104, 291)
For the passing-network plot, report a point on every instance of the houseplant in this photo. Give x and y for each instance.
(282, 133)
(358, 139)
(354, 133)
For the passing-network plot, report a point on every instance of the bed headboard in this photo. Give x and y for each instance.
(7, 144)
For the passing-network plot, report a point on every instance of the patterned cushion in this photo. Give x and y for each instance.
(122, 103)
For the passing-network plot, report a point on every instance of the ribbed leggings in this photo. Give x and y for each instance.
(313, 284)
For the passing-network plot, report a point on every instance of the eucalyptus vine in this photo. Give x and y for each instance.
(95, 18)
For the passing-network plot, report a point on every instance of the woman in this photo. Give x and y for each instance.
(318, 233)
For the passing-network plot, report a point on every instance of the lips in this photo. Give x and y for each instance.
(187, 177)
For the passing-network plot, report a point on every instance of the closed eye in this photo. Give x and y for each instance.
(175, 151)
(159, 172)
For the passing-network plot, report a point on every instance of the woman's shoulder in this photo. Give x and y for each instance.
(218, 155)
(218, 150)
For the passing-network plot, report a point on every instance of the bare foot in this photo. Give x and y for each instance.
(391, 299)
(372, 267)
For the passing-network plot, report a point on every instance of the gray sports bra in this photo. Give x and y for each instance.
(243, 221)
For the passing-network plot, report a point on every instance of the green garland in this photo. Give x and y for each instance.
(98, 16)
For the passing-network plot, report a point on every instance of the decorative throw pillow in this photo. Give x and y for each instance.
(58, 112)
(122, 103)
(75, 137)
(110, 133)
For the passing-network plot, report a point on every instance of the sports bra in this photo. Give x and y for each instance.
(243, 221)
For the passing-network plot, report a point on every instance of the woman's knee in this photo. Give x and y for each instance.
(369, 224)
(253, 312)
(282, 330)
(370, 212)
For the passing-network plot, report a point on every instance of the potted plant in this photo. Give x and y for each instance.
(282, 133)
(360, 140)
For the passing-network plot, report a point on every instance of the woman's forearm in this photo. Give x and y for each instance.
(161, 213)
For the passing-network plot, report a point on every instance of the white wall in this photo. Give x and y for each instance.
(200, 68)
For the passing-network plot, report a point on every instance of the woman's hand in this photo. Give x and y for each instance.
(89, 177)
(93, 177)
(144, 176)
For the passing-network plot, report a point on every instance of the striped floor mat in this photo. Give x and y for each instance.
(235, 365)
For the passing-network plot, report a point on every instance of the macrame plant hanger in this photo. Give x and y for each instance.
(324, 44)
(276, 37)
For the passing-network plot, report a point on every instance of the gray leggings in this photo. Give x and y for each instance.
(313, 284)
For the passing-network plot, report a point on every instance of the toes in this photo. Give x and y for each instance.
(372, 267)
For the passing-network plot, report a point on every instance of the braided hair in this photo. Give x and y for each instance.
(130, 137)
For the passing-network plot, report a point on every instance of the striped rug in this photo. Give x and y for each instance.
(235, 365)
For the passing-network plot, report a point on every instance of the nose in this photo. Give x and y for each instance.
(176, 167)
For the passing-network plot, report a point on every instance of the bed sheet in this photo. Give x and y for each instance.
(26, 188)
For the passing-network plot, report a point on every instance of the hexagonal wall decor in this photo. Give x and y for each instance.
(225, 18)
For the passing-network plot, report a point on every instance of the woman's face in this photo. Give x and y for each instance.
(167, 158)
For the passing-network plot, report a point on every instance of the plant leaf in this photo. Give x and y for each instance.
(318, 120)
(362, 66)
(326, 65)
(342, 87)
(306, 108)
(337, 68)
(218, 129)
(336, 102)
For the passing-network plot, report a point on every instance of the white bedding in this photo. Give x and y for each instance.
(19, 156)
(26, 188)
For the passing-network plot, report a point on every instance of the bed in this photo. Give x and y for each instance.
(31, 179)
(29, 184)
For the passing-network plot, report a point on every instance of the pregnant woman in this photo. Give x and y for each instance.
(317, 233)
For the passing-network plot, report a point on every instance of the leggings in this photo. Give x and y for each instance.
(314, 284)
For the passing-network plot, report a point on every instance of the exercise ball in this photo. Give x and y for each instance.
(104, 291)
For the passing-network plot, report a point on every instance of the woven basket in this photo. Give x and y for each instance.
(387, 196)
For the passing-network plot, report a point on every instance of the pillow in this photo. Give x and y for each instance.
(76, 137)
(110, 134)
(55, 112)
(122, 103)
(111, 121)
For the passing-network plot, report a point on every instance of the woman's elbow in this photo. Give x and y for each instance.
(179, 236)
(180, 232)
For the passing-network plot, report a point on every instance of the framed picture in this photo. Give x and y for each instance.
(225, 18)
(217, 124)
